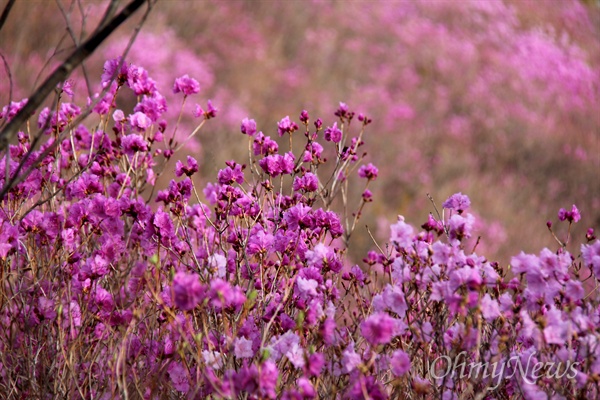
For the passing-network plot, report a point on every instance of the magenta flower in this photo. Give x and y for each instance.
(315, 364)
(304, 117)
(104, 299)
(248, 127)
(308, 182)
(47, 308)
(379, 328)
(286, 126)
(209, 113)
(223, 295)
(260, 241)
(264, 145)
(366, 387)
(189, 169)
(9, 112)
(110, 71)
(572, 216)
(306, 388)
(163, 224)
(297, 216)
(133, 143)
(460, 226)
(333, 134)
(186, 85)
(271, 165)
(313, 152)
(233, 173)
(152, 106)
(368, 171)
(187, 290)
(139, 81)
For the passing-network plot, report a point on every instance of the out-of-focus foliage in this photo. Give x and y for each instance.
(495, 98)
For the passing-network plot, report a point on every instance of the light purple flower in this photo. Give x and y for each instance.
(379, 328)
(100, 266)
(557, 330)
(243, 348)
(457, 202)
(400, 363)
(402, 233)
(591, 256)
(307, 286)
(217, 263)
(296, 355)
(489, 308)
(350, 359)
(140, 121)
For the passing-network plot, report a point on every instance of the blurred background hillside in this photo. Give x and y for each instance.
(497, 99)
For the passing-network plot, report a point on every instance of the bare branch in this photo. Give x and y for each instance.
(62, 72)
(10, 83)
(76, 41)
(18, 176)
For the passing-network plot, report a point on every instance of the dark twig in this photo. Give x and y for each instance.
(19, 177)
(10, 84)
(76, 42)
(5, 12)
(62, 72)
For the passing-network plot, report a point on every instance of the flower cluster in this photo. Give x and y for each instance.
(449, 322)
(112, 290)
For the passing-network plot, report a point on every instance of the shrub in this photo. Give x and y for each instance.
(110, 290)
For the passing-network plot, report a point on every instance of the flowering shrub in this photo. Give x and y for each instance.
(464, 95)
(111, 290)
